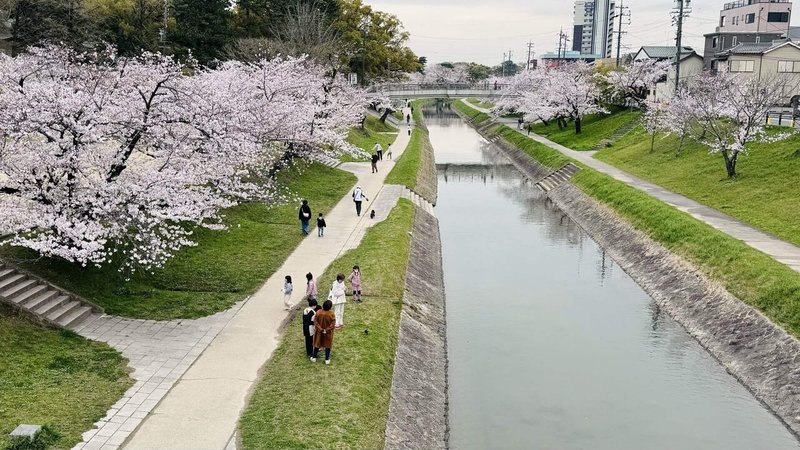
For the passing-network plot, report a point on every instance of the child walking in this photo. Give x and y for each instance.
(338, 299)
(389, 151)
(287, 292)
(321, 225)
(355, 283)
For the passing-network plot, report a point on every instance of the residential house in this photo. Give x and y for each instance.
(691, 65)
(774, 62)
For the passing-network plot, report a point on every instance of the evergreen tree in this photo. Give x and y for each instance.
(201, 26)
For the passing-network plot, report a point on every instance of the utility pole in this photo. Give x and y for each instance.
(622, 13)
(530, 54)
(509, 60)
(680, 11)
(162, 33)
(562, 37)
(503, 64)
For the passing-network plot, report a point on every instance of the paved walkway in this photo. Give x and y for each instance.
(201, 411)
(781, 250)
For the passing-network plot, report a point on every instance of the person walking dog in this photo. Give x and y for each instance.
(358, 198)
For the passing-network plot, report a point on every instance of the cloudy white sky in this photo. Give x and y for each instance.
(482, 30)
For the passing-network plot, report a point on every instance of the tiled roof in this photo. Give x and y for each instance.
(665, 52)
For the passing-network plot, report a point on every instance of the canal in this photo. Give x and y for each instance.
(551, 345)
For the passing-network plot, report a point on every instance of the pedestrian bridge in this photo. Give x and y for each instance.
(440, 90)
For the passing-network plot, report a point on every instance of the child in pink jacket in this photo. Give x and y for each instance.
(355, 283)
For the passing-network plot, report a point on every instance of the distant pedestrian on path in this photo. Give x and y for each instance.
(358, 197)
(408, 119)
(308, 325)
(355, 283)
(305, 217)
(311, 287)
(374, 163)
(321, 225)
(338, 297)
(520, 121)
(287, 292)
(409, 130)
(323, 331)
(379, 150)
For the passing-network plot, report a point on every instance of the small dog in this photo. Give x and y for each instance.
(372, 214)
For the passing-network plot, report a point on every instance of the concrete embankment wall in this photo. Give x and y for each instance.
(427, 177)
(756, 351)
(418, 406)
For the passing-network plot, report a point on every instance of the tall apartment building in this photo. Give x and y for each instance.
(747, 22)
(593, 32)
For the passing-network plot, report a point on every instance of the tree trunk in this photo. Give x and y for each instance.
(577, 125)
(730, 163)
(363, 122)
(653, 141)
(386, 113)
(680, 146)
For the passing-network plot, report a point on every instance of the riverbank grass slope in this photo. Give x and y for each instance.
(596, 128)
(55, 378)
(374, 131)
(299, 404)
(224, 268)
(765, 193)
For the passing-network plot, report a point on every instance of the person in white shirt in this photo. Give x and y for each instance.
(379, 150)
(358, 197)
(337, 296)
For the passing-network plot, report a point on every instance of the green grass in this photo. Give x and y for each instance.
(473, 114)
(480, 104)
(407, 167)
(750, 275)
(595, 128)
(224, 268)
(374, 131)
(299, 404)
(55, 378)
(764, 194)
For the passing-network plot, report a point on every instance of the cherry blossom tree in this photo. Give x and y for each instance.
(109, 159)
(633, 82)
(574, 93)
(655, 120)
(730, 111)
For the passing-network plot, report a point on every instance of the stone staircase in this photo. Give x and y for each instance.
(605, 143)
(41, 299)
(327, 160)
(418, 200)
(561, 175)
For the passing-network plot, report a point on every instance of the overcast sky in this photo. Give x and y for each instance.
(482, 30)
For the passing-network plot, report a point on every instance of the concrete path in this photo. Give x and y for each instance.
(202, 409)
(781, 250)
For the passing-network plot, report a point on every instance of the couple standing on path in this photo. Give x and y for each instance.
(305, 217)
(319, 326)
(377, 155)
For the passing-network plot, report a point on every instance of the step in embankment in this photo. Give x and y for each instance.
(558, 177)
(759, 353)
(418, 200)
(418, 406)
(43, 301)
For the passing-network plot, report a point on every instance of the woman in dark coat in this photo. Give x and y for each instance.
(305, 217)
(324, 324)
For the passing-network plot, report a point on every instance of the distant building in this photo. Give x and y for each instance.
(747, 22)
(593, 27)
(768, 62)
(690, 62)
(553, 59)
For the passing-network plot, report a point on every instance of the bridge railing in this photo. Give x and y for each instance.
(416, 87)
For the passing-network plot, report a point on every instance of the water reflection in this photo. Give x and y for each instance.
(551, 346)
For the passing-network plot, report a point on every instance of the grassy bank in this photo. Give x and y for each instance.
(55, 378)
(750, 275)
(595, 129)
(765, 193)
(299, 404)
(416, 168)
(472, 114)
(224, 268)
(481, 104)
(374, 131)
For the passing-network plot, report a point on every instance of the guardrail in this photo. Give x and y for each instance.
(409, 87)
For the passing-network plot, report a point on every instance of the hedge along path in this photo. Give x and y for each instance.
(203, 407)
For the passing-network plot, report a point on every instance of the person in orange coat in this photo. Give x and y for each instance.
(324, 324)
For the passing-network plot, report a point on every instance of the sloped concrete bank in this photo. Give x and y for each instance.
(759, 353)
(418, 405)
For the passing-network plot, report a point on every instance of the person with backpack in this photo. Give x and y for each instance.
(308, 325)
(358, 197)
(305, 217)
